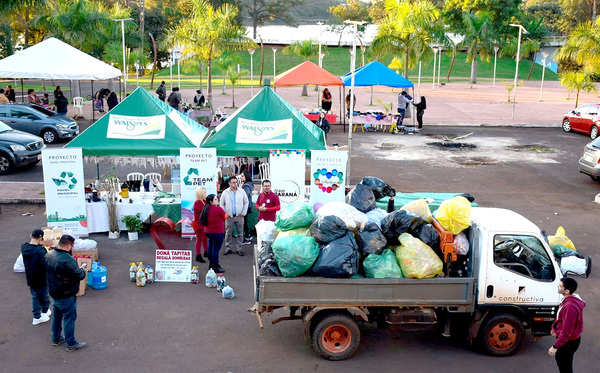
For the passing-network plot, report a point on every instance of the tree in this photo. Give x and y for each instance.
(501, 13)
(224, 62)
(305, 49)
(262, 11)
(531, 42)
(574, 12)
(577, 81)
(234, 75)
(479, 39)
(582, 48)
(354, 10)
(20, 13)
(405, 30)
(209, 32)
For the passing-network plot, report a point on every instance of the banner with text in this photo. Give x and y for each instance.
(64, 189)
(198, 169)
(136, 128)
(327, 176)
(287, 168)
(264, 132)
(173, 265)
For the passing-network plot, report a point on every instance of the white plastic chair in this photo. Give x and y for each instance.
(135, 176)
(153, 176)
(264, 171)
(78, 105)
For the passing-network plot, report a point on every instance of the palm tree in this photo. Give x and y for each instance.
(577, 81)
(234, 75)
(405, 31)
(305, 49)
(21, 13)
(479, 39)
(208, 32)
(224, 62)
(532, 42)
(582, 47)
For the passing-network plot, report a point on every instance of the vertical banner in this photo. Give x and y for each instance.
(64, 189)
(287, 175)
(327, 176)
(173, 266)
(198, 168)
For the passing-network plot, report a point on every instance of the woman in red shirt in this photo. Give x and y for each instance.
(199, 229)
(213, 218)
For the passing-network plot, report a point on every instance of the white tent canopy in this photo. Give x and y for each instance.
(54, 59)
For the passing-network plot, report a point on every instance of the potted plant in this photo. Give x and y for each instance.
(134, 226)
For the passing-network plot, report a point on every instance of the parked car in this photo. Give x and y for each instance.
(18, 149)
(589, 163)
(584, 119)
(38, 121)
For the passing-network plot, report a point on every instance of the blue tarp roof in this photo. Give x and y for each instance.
(376, 73)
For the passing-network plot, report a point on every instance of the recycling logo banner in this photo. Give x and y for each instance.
(65, 190)
(328, 169)
(198, 169)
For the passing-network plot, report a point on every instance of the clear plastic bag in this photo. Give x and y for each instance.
(266, 230)
(294, 216)
(362, 198)
(416, 259)
(454, 214)
(461, 244)
(376, 215)
(573, 264)
(384, 265)
(349, 214)
(19, 267)
(560, 238)
(419, 207)
(295, 254)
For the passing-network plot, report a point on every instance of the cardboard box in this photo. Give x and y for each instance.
(93, 253)
(83, 283)
(54, 236)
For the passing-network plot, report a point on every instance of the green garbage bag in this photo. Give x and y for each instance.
(384, 265)
(293, 216)
(295, 254)
(558, 250)
(416, 259)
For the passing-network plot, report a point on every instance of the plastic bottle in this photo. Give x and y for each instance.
(211, 279)
(195, 278)
(139, 265)
(149, 274)
(228, 292)
(140, 278)
(132, 271)
(221, 282)
(99, 280)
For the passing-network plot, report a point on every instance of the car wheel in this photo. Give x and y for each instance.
(49, 136)
(566, 125)
(595, 178)
(594, 132)
(6, 164)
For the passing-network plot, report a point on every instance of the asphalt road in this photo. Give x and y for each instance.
(185, 327)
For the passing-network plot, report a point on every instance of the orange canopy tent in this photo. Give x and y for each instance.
(307, 73)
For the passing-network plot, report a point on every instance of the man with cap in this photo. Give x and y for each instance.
(33, 259)
(199, 99)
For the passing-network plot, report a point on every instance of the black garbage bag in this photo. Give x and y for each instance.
(468, 196)
(431, 237)
(379, 187)
(370, 240)
(325, 229)
(338, 259)
(398, 222)
(362, 198)
(266, 261)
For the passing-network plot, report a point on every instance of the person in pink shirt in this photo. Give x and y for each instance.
(267, 203)
(213, 219)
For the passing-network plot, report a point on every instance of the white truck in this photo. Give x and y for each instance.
(507, 283)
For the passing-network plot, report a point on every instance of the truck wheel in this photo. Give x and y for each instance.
(336, 337)
(501, 335)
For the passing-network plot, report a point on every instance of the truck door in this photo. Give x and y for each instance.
(520, 271)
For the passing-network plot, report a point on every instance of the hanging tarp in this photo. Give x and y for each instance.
(307, 73)
(264, 123)
(141, 125)
(376, 73)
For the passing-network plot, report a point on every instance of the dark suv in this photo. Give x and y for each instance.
(39, 121)
(18, 149)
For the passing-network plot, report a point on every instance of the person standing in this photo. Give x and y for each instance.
(199, 99)
(235, 203)
(99, 99)
(213, 217)
(56, 92)
(421, 106)
(199, 228)
(33, 259)
(10, 93)
(174, 99)
(61, 104)
(323, 124)
(267, 203)
(568, 326)
(161, 91)
(248, 187)
(326, 100)
(403, 101)
(112, 101)
(63, 277)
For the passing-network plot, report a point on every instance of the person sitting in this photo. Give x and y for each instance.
(323, 124)
(32, 98)
(3, 98)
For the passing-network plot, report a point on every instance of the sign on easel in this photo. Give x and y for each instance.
(173, 266)
(198, 169)
(287, 168)
(64, 190)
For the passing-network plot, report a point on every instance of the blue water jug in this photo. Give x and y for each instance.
(99, 277)
(89, 275)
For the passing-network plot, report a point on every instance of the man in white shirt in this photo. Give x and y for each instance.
(403, 101)
(235, 203)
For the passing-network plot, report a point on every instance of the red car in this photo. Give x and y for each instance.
(585, 119)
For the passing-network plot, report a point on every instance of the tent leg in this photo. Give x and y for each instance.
(343, 109)
(22, 93)
(93, 114)
(98, 170)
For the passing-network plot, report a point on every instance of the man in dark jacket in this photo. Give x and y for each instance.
(33, 259)
(568, 326)
(61, 104)
(63, 276)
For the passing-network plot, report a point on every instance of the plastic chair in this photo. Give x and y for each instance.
(78, 105)
(153, 176)
(263, 171)
(135, 176)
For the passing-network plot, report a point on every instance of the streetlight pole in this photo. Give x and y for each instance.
(544, 55)
(521, 30)
(320, 23)
(435, 50)
(274, 71)
(122, 20)
(251, 51)
(440, 65)
(496, 49)
(171, 68)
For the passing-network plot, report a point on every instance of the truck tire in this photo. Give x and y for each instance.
(336, 337)
(501, 335)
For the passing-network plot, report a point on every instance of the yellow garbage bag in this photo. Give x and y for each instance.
(416, 258)
(454, 214)
(560, 238)
(419, 207)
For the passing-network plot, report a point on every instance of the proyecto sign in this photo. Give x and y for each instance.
(138, 128)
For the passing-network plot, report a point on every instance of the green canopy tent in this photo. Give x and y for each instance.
(266, 122)
(141, 125)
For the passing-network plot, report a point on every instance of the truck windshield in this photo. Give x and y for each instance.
(525, 255)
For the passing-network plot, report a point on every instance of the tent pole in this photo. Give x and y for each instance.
(371, 96)
(412, 112)
(343, 109)
(22, 93)
(93, 114)
(98, 170)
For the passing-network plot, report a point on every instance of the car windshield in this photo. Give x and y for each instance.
(4, 127)
(43, 110)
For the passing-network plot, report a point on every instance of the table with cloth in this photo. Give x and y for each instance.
(143, 203)
(314, 117)
(384, 122)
